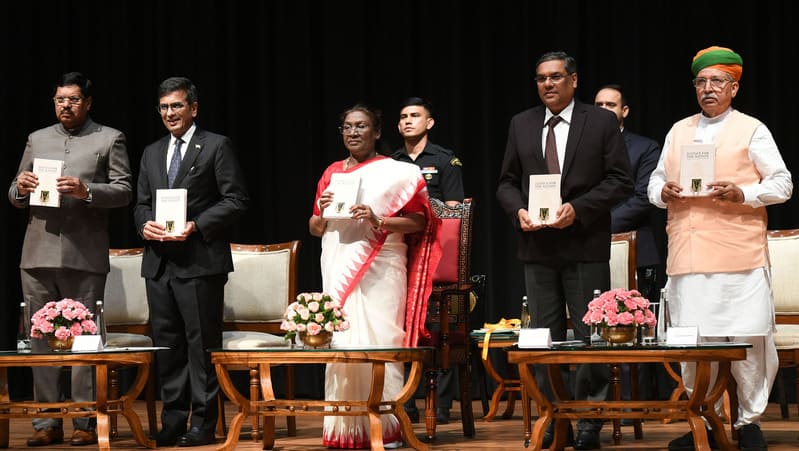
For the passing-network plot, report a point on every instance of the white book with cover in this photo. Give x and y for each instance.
(170, 210)
(46, 194)
(345, 189)
(697, 168)
(544, 198)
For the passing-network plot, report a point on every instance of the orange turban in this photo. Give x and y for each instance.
(720, 58)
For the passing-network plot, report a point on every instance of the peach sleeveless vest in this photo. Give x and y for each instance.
(711, 236)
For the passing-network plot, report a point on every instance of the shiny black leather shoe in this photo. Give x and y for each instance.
(168, 437)
(196, 437)
(549, 436)
(587, 440)
(686, 442)
(750, 438)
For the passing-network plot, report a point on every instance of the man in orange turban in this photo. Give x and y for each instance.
(720, 58)
(717, 256)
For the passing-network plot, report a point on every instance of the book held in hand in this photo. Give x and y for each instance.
(46, 194)
(170, 210)
(345, 189)
(697, 168)
(544, 198)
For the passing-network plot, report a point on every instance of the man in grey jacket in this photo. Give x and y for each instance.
(65, 252)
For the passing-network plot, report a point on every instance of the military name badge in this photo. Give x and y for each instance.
(428, 172)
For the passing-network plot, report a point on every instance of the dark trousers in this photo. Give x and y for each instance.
(551, 289)
(186, 316)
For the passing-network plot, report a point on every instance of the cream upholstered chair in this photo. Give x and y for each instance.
(127, 318)
(783, 246)
(623, 273)
(623, 261)
(258, 291)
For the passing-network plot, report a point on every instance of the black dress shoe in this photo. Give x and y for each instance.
(587, 440)
(750, 438)
(549, 436)
(196, 437)
(168, 437)
(686, 442)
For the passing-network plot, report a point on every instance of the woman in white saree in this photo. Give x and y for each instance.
(367, 265)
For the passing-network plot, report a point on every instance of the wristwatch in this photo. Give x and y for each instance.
(88, 197)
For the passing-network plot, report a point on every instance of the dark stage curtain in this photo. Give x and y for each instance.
(274, 76)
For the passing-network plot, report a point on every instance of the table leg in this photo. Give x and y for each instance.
(615, 392)
(497, 395)
(430, 403)
(373, 405)
(242, 404)
(723, 381)
(408, 390)
(142, 377)
(268, 393)
(101, 406)
(545, 408)
(4, 399)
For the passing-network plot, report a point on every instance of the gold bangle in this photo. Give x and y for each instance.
(380, 221)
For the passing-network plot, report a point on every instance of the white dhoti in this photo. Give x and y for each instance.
(732, 307)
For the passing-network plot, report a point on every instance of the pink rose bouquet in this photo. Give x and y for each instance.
(313, 313)
(62, 319)
(620, 307)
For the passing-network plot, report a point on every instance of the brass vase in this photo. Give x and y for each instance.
(60, 345)
(618, 334)
(320, 340)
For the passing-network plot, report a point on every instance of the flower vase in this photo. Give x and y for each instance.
(60, 345)
(320, 340)
(618, 334)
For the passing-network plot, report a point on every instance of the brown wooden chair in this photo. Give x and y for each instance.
(258, 291)
(126, 315)
(448, 311)
(783, 246)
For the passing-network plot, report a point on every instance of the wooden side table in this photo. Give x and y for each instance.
(100, 408)
(562, 409)
(261, 400)
(511, 386)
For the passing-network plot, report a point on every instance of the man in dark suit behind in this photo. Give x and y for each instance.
(635, 212)
(649, 222)
(186, 273)
(565, 260)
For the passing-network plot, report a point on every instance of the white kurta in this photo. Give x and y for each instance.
(728, 304)
(733, 306)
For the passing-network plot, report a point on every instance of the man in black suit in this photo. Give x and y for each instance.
(186, 273)
(565, 260)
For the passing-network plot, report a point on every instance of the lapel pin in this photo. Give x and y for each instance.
(196, 146)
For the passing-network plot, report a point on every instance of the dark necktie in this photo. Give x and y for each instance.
(174, 165)
(551, 149)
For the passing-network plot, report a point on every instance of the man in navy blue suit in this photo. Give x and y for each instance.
(636, 213)
(649, 222)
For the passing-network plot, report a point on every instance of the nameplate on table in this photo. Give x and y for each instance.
(682, 336)
(535, 338)
(87, 343)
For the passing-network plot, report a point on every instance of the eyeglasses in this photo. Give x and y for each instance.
(74, 100)
(164, 107)
(715, 83)
(346, 129)
(555, 78)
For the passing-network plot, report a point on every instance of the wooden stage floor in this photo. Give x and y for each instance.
(498, 434)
